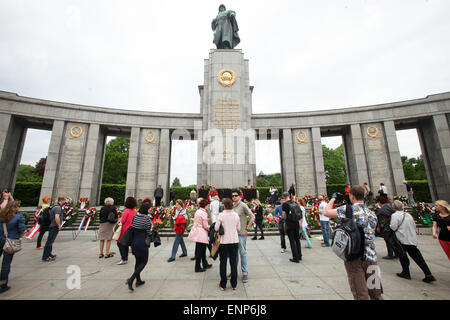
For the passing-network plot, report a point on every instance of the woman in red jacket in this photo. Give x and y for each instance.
(126, 220)
(180, 224)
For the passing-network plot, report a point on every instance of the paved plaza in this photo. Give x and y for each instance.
(320, 275)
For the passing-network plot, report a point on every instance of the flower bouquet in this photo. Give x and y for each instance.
(69, 214)
(403, 199)
(83, 203)
(422, 212)
(313, 219)
(88, 219)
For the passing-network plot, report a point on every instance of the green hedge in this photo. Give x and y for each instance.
(421, 191)
(332, 188)
(28, 193)
(264, 192)
(115, 191)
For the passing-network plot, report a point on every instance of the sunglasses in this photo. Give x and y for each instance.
(235, 195)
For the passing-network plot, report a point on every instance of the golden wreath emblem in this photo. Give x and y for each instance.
(226, 77)
(76, 131)
(227, 155)
(372, 131)
(301, 136)
(150, 137)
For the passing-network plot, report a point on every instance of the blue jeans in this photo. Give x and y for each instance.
(305, 234)
(243, 255)
(52, 233)
(178, 240)
(325, 232)
(6, 266)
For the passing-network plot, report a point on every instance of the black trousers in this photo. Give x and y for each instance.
(415, 254)
(141, 262)
(123, 251)
(293, 234)
(157, 202)
(200, 255)
(259, 224)
(228, 251)
(282, 234)
(42, 230)
(389, 248)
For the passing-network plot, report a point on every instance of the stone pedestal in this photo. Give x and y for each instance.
(226, 154)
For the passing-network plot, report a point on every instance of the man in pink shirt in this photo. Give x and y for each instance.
(229, 243)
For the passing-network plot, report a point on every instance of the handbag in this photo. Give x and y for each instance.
(11, 246)
(118, 229)
(112, 217)
(127, 237)
(154, 238)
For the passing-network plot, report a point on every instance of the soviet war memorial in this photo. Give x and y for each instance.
(314, 166)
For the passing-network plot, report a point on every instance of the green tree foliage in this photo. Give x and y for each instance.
(116, 161)
(414, 168)
(334, 163)
(176, 182)
(269, 180)
(27, 173)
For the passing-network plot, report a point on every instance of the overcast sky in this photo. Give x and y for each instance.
(148, 55)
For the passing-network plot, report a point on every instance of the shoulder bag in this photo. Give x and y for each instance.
(11, 246)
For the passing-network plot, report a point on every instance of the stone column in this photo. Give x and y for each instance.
(287, 159)
(51, 167)
(226, 111)
(377, 155)
(395, 160)
(93, 165)
(132, 163)
(434, 136)
(147, 163)
(71, 160)
(12, 139)
(321, 182)
(165, 147)
(355, 156)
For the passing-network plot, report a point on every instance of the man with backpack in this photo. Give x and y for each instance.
(56, 218)
(293, 214)
(362, 270)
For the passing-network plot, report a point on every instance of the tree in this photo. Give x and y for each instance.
(27, 173)
(176, 182)
(116, 161)
(334, 164)
(268, 180)
(40, 166)
(414, 168)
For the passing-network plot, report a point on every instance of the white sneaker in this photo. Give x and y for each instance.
(121, 262)
(283, 250)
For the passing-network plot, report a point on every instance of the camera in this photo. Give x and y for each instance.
(339, 197)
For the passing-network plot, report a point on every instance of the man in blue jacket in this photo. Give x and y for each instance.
(278, 214)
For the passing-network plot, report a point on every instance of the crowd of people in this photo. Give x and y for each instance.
(232, 220)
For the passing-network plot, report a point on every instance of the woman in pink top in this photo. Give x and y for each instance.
(127, 218)
(199, 234)
(229, 243)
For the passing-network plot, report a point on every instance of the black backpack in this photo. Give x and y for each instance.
(295, 213)
(112, 217)
(348, 238)
(44, 217)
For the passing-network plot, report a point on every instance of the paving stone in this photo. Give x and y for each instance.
(320, 275)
